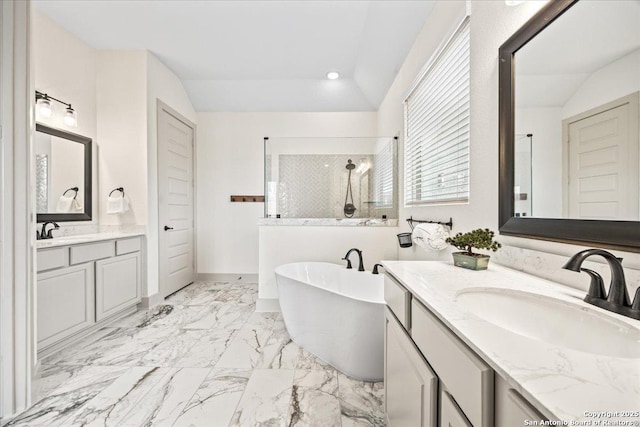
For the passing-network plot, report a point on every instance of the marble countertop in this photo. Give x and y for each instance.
(564, 384)
(84, 238)
(331, 222)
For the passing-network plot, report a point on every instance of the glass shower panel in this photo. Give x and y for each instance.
(523, 181)
(308, 177)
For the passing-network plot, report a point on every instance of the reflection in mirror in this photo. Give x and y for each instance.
(59, 171)
(62, 175)
(577, 115)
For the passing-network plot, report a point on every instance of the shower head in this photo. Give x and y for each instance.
(350, 165)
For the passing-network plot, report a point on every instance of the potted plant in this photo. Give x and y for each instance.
(479, 239)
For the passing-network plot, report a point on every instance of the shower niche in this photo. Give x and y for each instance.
(331, 177)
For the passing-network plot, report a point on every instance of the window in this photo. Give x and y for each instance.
(383, 162)
(436, 112)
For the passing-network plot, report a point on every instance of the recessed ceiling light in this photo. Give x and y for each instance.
(332, 75)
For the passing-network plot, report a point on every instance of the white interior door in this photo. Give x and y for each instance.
(603, 166)
(175, 201)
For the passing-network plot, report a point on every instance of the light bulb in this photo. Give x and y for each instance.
(45, 109)
(70, 117)
(332, 75)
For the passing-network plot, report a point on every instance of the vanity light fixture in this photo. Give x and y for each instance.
(45, 109)
(70, 117)
(333, 75)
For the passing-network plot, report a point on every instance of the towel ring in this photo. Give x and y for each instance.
(120, 189)
(76, 189)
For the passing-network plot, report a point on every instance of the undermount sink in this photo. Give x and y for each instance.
(553, 321)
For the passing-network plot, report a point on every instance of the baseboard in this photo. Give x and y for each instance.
(228, 277)
(267, 305)
(151, 301)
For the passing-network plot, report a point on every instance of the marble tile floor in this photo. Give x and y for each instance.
(204, 358)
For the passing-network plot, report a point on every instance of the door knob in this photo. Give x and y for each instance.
(166, 228)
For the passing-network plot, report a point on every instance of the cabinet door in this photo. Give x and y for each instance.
(511, 408)
(65, 303)
(450, 414)
(410, 385)
(117, 284)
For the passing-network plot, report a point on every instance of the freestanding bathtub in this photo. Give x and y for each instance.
(336, 314)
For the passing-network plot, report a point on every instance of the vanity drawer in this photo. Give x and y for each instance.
(464, 374)
(127, 246)
(92, 252)
(48, 259)
(398, 299)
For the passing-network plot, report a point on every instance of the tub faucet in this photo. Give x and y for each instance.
(346, 258)
(46, 234)
(617, 300)
(375, 268)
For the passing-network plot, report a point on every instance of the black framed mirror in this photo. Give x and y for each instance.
(63, 175)
(561, 177)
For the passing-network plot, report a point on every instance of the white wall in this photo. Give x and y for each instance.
(230, 161)
(66, 68)
(442, 21)
(162, 85)
(115, 93)
(492, 22)
(130, 83)
(122, 133)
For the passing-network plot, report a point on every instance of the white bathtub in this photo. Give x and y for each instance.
(336, 314)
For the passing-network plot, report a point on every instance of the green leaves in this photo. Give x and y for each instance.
(479, 239)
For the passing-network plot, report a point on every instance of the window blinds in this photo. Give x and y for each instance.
(383, 175)
(436, 156)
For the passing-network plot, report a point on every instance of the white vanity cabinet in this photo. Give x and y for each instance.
(65, 302)
(80, 286)
(117, 284)
(411, 387)
(434, 379)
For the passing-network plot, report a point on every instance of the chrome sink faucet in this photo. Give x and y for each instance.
(617, 300)
(346, 258)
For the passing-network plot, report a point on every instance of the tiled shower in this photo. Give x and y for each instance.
(308, 178)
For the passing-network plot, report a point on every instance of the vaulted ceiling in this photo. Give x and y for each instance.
(259, 55)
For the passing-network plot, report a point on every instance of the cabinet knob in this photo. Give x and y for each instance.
(167, 228)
